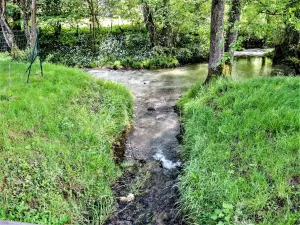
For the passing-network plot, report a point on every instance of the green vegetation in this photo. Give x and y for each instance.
(241, 146)
(150, 33)
(126, 46)
(56, 136)
(241, 151)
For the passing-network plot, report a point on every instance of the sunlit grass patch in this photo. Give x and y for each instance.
(241, 148)
(56, 136)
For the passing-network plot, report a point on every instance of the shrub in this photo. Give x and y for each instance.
(126, 44)
(117, 65)
(137, 65)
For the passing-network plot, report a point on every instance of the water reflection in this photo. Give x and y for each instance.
(243, 67)
(247, 67)
(182, 78)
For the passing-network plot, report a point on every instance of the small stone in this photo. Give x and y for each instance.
(130, 197)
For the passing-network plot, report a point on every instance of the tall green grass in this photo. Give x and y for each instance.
(56, 137)
(241, 148)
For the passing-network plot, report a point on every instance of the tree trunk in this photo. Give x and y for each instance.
(7, 32)
(149, 22)
(93, 7)
(216, 39)
(231, 35)
(33, 23)
(26, 28)
(167, 29)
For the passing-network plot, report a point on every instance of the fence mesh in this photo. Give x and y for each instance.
(14, 64)
(20, 39)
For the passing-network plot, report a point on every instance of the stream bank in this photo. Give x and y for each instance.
(147, 193)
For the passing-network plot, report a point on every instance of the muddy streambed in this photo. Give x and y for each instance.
(147, 193)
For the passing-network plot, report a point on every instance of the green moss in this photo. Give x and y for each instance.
(241, 148)
(56, 136)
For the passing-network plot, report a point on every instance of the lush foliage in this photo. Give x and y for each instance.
(90, 33)
(241, 147)
(127, 46)
(265, 21)
(56, 136)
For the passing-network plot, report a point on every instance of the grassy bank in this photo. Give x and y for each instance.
(56, 136)
(241, 148)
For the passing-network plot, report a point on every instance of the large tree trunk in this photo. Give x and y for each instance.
(167, 29)
(149, 22)
(216, 39)
(231, 35)
(7, 32)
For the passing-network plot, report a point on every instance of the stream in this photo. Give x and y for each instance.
(147, 193)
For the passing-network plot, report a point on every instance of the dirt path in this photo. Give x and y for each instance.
(147, 193)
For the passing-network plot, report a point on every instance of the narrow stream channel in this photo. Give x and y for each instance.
(147, 193)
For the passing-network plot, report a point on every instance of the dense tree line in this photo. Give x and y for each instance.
(172, 24)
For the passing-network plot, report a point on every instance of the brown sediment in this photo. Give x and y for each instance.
(119, 147)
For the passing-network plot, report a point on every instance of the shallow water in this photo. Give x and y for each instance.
(153, 142)
(243, 67)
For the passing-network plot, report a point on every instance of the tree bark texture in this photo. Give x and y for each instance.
(216, 39)
(167, 29)
(7, 32)
(33, 23)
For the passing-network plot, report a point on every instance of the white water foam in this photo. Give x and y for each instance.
(168, 164)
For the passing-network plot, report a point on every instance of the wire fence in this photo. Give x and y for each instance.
(19, 38)
(16, 66)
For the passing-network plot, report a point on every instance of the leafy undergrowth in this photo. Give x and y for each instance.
(126, 46)
(241, 148)
(56, 136)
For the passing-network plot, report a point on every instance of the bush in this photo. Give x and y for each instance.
(137, 65)
(117, 65)
(127, 44)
